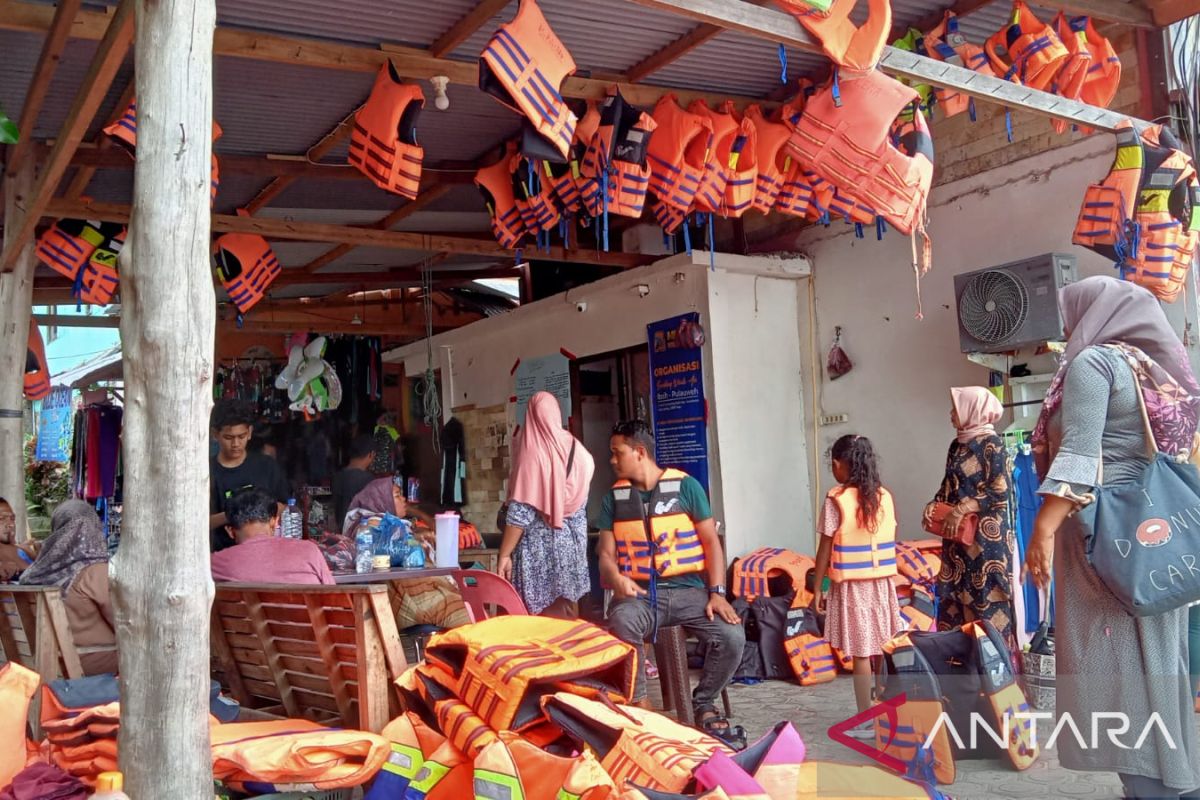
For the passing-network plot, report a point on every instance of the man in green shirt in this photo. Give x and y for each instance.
(679, 579)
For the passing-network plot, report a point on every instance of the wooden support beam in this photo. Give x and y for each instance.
(697, 36)
(776, 26)
(1133, 13)
(77, 321)
(84, 175)
(462, 30)
(329, 141)
(346, 234)
(52, 50)
(88, 97)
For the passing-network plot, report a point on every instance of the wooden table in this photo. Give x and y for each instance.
(489, 556)
(395, 574)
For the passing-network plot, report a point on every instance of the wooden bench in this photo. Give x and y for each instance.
(326, 653)
(35, 632)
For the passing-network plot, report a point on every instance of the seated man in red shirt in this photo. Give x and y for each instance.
(259, 555)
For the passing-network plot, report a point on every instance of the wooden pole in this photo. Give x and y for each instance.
(16, 300)
(162, 586)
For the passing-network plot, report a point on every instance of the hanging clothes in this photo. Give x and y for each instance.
(454, 464)
(1028, 501)
(96, 451)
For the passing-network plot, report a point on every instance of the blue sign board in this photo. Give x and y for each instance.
(54, 426)
(680, 412)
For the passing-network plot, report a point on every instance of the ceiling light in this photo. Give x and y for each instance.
(440, 100)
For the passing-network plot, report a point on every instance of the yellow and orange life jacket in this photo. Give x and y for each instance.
(514, 768)
(730, 175)
(857, 47)
(534, 195)
(124, 131)
(860, 553)
(1145, 215)
(678, 157)
(615, 161)
(1026, 50)
(496, 185)
(445, 774)
(634, 745)
(37, 374)
(945, 43)
(663, 542)
(17, 685)
(246, 265)
(523, 66)
(1092, 72)
(85, 251)
(753, 572)
(412, 741)
(567, 180)
(501, 667)
(774, 163)
(383, 144)
(848, 141)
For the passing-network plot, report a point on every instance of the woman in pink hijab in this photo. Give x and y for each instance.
(544, 550)
(976, 580)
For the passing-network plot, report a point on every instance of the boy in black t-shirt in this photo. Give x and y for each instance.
(234, 467)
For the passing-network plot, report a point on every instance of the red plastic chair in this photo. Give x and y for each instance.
(481, 588)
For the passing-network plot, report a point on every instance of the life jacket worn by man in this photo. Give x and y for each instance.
(660, 554)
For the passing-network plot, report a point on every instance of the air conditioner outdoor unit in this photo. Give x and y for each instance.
(1013, 305)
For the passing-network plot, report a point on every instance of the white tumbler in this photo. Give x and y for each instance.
(447, 539)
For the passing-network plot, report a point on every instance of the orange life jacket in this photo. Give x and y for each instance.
(523, 66)
(664, 543)
(100, 280)
(850, 209)
(501, 667)
(411, 742)
(17, 685)
(808, 652)
(731, 172)
(917, 608)
(847, 44)
(804, 193)
(615, 162)
(917, 565)
(463, 728)
(294, 755)
(514, 768)
(446, 774)
(85, 251)
(858, 552)
(37, 374)
(124, 131)
(844, 662)
(496, 185)
(945, 43)
(567, 180)
(246, 265)
(849, 143)
(534, 195)
(1026, 50)
(774, 163)
(634, 745)
(1092, 73)
(678, 157)
(383, 144)
(751, 574)
(1145, 215)
(999, 684)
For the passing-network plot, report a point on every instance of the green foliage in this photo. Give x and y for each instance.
(46, 483)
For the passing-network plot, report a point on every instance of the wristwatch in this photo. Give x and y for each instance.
(717, 590)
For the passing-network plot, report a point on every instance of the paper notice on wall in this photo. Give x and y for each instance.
(551, 373)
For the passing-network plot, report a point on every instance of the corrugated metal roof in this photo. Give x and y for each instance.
(735, 63)
(413, 22)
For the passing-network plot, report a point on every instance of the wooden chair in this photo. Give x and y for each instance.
(326, 653)
(35, 632)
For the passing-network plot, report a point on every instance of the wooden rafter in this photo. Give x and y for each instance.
(701, 34)
(84, 175)
(108, 58)
(52, 50)
(1135, 13)
(318, 151)
(777, 26)
(462, 30)
(347, 234)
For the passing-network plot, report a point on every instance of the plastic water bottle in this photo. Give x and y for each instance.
(292, 524)
(109, 786)
(364, 549)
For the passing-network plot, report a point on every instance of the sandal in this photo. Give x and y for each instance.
(651, 669)
(719, 727)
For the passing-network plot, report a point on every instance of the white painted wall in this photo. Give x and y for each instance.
(897, 393)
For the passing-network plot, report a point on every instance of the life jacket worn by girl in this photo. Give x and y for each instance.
(853, 46)
(945, 43)
(246, 265)
(124, 131)
(753, 573)
(513, 768)
(383, 144)
(1026, 51)
(568, 182)
(808, 652)
(678, 156)
(731, 172)
(845, 135)
(1145, 215)
(858, 552)
(615, 162)
(496, 185)
(37, 374)
(501, 667)
(634, 745)
(523, 66)
(675, 547)
(17, 685)
(774, 163)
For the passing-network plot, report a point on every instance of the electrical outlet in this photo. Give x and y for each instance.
(834, 419)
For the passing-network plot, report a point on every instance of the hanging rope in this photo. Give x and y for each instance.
(431, 404)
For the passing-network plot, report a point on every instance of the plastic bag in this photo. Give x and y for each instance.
(838, 363)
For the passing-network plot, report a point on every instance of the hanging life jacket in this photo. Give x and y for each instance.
(665, 543)
(496, 185)
(804, 193)
(501, 667)
(523, 66)
(808, 652)
(534, 195)
(727, 186)
(848, 45)
(945, 43)
(678, 157)
(754, 573)
(860, 553)
(633, 744)
(1145, 215)
(1026, 51)
(246, 266)
(383, 144)
(124, 131)
(774, 163)
(1092, 71)
(85, 252)
(913, 42)
(615, 162)
(37, 374)
(567, 180)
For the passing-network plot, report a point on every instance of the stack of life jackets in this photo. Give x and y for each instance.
(1145, 214)
(124, 132)
(918, 565)
(383, 144)
(945, 43)
(83, 744)
(85, 252)
(37, 373)
(1092, 71)
(17, 687)
(246, 265)
(958, 672)
(1026, 51)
